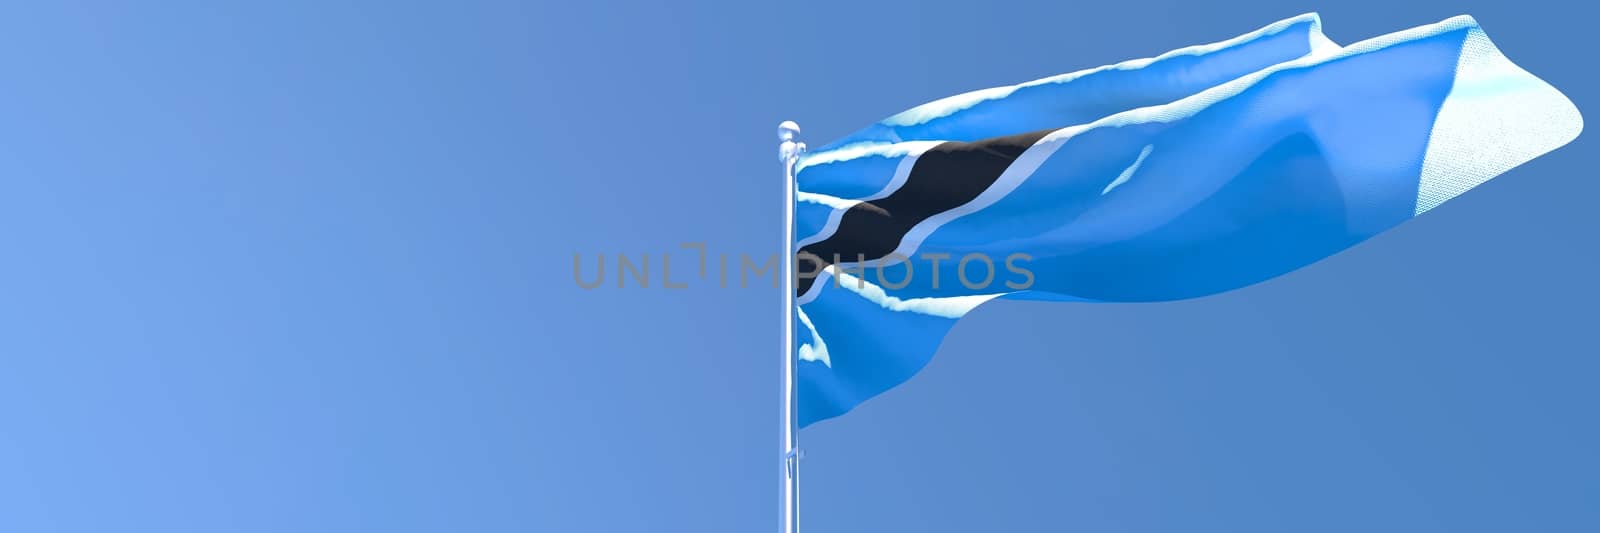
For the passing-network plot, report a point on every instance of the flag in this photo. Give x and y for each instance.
(1199, 171)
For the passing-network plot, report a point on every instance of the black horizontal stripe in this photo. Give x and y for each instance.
(947, 176)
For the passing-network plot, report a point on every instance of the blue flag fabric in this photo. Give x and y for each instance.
(1199, 171)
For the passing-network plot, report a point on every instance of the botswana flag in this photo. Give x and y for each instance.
(1198, 171)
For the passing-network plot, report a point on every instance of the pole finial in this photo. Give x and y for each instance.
(789, 146)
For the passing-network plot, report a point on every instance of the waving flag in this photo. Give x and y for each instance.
(1199, 171)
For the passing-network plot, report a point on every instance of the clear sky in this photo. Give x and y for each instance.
(307, 266)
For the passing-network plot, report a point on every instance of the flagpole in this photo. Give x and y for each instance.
(789, 150)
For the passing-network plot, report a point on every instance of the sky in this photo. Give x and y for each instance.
(307, 266)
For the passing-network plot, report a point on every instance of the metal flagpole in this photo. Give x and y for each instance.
(789, 150)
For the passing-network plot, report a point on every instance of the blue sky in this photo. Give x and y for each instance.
(307, 267)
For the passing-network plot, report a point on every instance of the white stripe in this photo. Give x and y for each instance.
(1128, 172)
(941, 306)
(817, 350)
(860, 150)
(830, 201)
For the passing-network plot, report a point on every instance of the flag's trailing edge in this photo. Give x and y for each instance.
(1217, 188)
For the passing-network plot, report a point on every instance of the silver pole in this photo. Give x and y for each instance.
(789, 150)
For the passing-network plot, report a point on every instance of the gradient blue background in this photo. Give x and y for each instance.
(306, 266)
